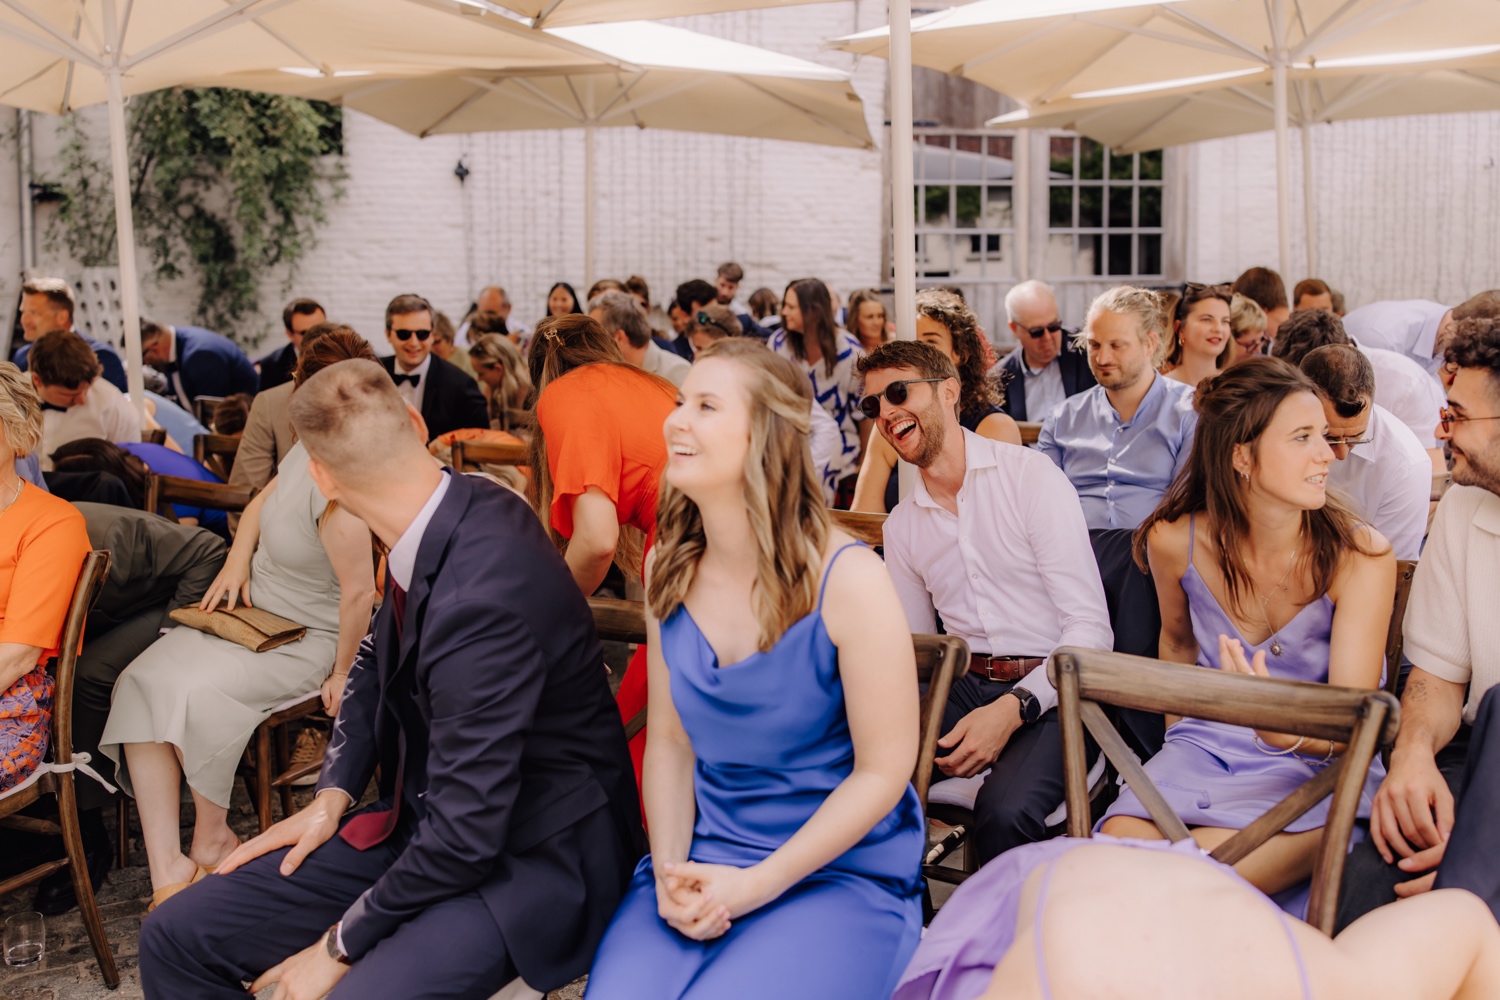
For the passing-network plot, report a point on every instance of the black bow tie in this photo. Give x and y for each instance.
(59, 409)
(415, 380)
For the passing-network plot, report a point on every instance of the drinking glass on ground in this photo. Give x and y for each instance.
(25, 938)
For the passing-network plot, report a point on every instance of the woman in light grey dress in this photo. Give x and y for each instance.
(188, 705)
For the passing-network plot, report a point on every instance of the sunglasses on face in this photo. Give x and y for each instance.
(895, 393)
(1041, 331)
(704, 319)
(1447, 418)
(405, 335)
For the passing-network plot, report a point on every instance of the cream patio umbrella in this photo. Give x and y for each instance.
(1041, 51)
(1173, 117)
(56, 55)
(682, 80)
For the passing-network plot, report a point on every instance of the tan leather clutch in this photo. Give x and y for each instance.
(253, 628)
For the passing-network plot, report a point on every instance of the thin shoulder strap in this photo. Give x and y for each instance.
(829, 568)
(1036, 930)
(1192, 535)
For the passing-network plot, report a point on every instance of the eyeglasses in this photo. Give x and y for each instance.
(1346, 442)
(1252, 346)
(704, 319)
(895, 393)
(405, 335)
(1041, 331)
(1447, 418)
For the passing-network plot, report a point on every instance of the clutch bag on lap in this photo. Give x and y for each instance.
(253, 628)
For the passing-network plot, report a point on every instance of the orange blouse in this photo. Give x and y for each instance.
(603, 425)
(43, 542)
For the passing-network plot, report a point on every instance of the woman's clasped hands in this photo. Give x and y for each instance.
(699, 900)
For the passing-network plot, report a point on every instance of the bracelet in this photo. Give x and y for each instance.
(1279, 753)
(1314, 760)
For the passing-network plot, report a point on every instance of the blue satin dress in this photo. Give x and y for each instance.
(772, 741)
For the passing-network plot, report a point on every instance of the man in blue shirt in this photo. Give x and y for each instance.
(1122, 442)
(196, 362)
(46, 305)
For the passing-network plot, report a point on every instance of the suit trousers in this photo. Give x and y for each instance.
(209, 939)
(1471, 860)
(103, 658)
(1025, 783)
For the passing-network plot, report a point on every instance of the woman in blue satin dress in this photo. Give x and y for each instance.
(785, 835)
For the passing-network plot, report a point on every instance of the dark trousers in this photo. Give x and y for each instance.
(1471, 860)
(203, 943)
(103, 659)
(1024, 785)
(1368, 881)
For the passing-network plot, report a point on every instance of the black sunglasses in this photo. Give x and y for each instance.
(704, 319)
(1041, 331)
(895, 393)
(405, 335)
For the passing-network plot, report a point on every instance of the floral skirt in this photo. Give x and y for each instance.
(25, 726)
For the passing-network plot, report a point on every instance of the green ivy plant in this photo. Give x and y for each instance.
(226, 185)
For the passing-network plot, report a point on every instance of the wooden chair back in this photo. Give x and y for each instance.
(155, 436)
(216, 452)
(1365, 720)
(91, 577)
(514, 420)
(469, 455)
(1406, 569)
(163, 491)
(1030, 431)
(204, 408)
(868, 528)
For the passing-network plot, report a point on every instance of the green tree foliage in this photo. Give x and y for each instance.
(226, 184)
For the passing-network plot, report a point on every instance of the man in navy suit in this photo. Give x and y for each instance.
(1045, 368)
(508, 823)
(196, 362)
(299, 316)
(446, 396)
(47, 305)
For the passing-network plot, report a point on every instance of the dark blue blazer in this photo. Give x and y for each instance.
(517, 783)
(1076, 377)
(210, 365)
(109, 360)
(278, 366)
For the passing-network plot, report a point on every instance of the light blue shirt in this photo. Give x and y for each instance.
(179, 423)
(30, 469)
(1408, 328)
(1121, 470)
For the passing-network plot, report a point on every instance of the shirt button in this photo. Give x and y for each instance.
(973, 576)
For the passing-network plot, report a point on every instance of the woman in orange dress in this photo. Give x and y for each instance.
(597, 458)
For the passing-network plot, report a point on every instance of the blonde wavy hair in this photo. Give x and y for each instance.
(20, 410)
(783, 496)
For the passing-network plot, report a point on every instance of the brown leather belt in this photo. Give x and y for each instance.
(1004, 668)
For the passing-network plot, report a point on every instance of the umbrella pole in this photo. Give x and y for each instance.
(903, 193)
(1283, 167)
(588, 206)
(130, 306)
(1309, 199)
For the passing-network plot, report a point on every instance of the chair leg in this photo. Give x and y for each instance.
(122, 828)
(263, 777)
(88, 907)
(283, 761)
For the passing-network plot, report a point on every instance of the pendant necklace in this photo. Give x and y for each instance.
(1276, 646)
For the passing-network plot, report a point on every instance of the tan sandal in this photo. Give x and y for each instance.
(166, 892)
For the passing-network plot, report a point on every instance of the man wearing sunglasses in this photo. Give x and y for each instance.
(447, 398)
(1045, 368)
(1435, 817)
(992, 540)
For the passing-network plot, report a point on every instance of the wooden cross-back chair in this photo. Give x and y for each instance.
(1086, 679)
(469, 455)
(1030, 431)
(216, 452)
(55, 778)
(868, 528)
(204, 408)
(163, 491)
(156, 435)
(1406, 569)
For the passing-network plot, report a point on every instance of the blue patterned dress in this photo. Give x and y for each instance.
(837, 393)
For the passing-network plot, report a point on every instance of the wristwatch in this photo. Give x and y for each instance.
(331, 942)
(1031, 708)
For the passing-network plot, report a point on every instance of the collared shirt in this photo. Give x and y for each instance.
(1408, 328)
(1390, 482)
(1451, 628)
(672, 367)
(412, 394)
(104, 413)
(1044, 387)
(1013, 574)
(1406, 389)
(838, 393)
(402, 561)
(1121, 469)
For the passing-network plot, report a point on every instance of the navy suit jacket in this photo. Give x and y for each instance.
(517, 784)
(210, 365)
(278, 366)
(109, 360)
(450, 400)
(1076, 377)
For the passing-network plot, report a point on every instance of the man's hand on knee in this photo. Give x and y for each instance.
(304, 832)
(979, 738)
(1413, 810)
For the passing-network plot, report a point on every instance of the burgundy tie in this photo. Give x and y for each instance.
(370, 828)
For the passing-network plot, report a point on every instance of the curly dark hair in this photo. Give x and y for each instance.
(1476, 344)
(977, 387)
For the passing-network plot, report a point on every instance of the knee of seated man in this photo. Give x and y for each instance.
(1489, 705)
(1004, 822)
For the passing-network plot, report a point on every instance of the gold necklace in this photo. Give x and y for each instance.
(1265, 602)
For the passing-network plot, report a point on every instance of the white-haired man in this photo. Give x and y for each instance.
(1046, 367)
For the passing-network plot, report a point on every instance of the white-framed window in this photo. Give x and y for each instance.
(1104, 211)
(965, 204)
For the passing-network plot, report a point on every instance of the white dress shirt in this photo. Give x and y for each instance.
(1408, 328)
(1390, 482)
(672, 367)
(402, 561)
(1013, 574)
(104, 413)
(412, 394)
(1405, 389)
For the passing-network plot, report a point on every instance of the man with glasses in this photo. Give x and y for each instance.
(992, 540)
(1381, 465)
(1435, 817)
(447, 398)
(1045, 368)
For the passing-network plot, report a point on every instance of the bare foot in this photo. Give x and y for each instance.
(208, 850)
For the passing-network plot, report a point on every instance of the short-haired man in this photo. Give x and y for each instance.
(1122, 442)
(727, 286)
(507, 824)
(491, 299)
(299, 316)
(1265, 287)
(47, 305)
(196, 362)
(1046, 367)
(1381, 465)
(620, 316)
(1402, 387)
(1417, 328)
(445, 397)
(991, 540)
(76, 402)
(693, 295)
(1311, 293)
(1439, 806)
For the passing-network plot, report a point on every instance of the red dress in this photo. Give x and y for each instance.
(603, 425)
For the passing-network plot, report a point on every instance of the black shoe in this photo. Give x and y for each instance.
(54, 894)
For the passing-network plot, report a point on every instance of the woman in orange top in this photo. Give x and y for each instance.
(43, 542)
(597, 457)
